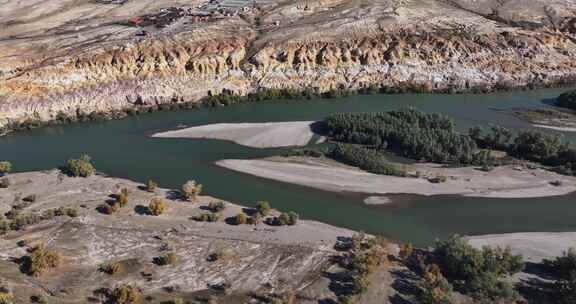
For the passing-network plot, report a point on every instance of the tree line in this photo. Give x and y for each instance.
(363, 137)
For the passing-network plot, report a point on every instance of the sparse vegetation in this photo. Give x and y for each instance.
(18, 221)
(157, 206)
(191, 190)
(80, 167)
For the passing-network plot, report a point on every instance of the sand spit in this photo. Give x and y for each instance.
(534, 246)
(256, 135)
(505, 182)
(563, 129)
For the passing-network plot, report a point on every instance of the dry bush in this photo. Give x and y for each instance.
(157, 206)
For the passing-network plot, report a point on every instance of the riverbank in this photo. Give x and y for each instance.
(256, 135)
(502, 182)
(207, 254)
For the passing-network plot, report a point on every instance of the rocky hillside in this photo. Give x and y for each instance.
(70, 57)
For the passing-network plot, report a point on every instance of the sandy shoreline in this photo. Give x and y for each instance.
(563, 129)
(533, 246)
(505, 182)
(256, 135)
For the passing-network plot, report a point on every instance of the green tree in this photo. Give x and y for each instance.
(434, 288)
(263, 208)
(567, 100)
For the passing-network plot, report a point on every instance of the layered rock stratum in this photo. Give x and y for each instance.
(69, 57)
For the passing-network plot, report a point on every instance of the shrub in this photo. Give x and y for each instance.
(80, 167)
(40, 299)
(556, 183)
(240, 219)
(30, 198)
(4, 182)
(207, 217)
(5, 167)
(151, 186)
(216, 206)
(156, 206)
(176, 301)
(6, 297)
(263, 208)
(109, 208)
(406, 250)
(110, 268)
(563, 266)
(124, 294)
(218, 255)
(191, 190)
(42, 260)
(122, 199)
(166, 259)
(567, 100)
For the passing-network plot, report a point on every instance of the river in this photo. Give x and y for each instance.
(122, 148)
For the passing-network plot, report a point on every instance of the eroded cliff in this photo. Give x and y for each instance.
(65, 61)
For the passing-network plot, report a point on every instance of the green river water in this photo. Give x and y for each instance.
(122, 148)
